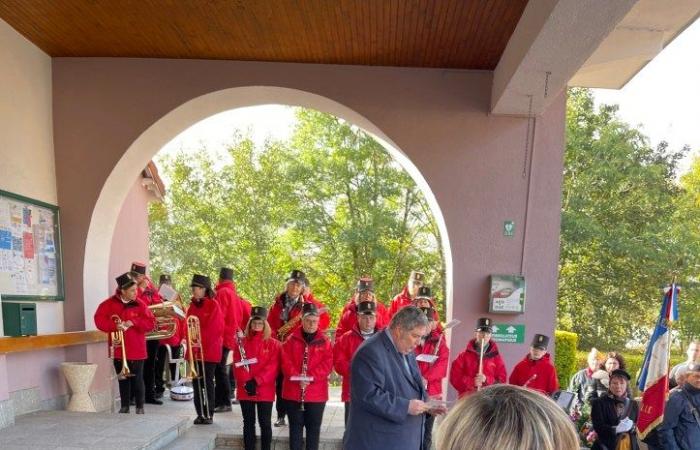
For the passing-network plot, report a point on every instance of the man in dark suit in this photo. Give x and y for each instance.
(387, 396)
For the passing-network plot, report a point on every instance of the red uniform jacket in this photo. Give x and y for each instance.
(265, 371)
(343, 351)
(226, 298)
(149, 295)
(135, 336)
(176, 339)
(211, 323)
(241, 307)
(435, 372)
(400, 301)
(538, 375)
(466, 366)
(274, 318)
(348, 318)
(319, 366)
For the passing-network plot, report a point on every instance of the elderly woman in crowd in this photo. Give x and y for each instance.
(507, 417)
(600, 379)
(614, 415)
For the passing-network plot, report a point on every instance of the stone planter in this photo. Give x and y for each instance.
(79, 376)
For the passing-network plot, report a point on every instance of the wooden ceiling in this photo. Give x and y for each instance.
(460, 34)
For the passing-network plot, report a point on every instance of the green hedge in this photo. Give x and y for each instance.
(565, 344)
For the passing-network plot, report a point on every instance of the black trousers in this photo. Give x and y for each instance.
(131, 385)
(223, 385)
(347, 412)
(204, 398)
(162, 356)
(149, 369)
(280, 403)
(428, 431)
(264, 419)
(310, 418)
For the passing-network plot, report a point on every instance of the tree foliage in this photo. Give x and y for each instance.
(330, 201)
(624, 228)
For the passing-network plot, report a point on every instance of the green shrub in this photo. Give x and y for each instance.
(565, 350)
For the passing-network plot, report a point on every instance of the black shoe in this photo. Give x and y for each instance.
(154, 401)
(223, 409)
(199, 420)
(235, 401)
(140, 411)
(207, 421)
(159, 394)
(124, 410)
(280, 422)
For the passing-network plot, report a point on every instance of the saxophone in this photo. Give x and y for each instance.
(304, 368)
(285, 329)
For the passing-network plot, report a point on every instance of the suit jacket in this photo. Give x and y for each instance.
(604, 417)
(379, 396)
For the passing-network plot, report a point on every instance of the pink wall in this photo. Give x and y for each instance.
(38, 369)
(471, 160)
(130, 240)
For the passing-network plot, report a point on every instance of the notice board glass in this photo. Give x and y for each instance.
(30, 249)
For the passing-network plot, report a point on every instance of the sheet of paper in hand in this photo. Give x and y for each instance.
(301, 378)
(167, 292)
(246, 362)
(426, 357)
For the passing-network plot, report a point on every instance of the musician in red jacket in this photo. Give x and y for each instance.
(408, 294)
(148, 294)
(211, 334)
(135, 320)
(432, 356)
(256, 361)
(536, 370)
(285, 318)
(346, 345)
(363, 293)
(307, 361)
(464, 374)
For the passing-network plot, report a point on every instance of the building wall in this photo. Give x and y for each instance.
(27, 168)
(472, 161)
(130, 240)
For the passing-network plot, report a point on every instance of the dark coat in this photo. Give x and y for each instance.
(604, 417)
(380, 393)
(679, 430)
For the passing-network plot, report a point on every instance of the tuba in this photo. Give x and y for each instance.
(118, 342)
(166, 320)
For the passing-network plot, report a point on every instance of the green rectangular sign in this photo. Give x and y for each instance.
(508, 333)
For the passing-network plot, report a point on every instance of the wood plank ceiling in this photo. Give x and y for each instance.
(460, 34)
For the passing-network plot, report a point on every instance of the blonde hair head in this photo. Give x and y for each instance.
(507, 417)
(267, 331)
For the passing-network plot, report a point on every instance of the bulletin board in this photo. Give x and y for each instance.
(30, 249)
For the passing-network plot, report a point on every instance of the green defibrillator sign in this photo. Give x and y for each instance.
(508, 333)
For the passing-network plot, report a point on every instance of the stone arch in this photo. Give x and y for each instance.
(141, 151)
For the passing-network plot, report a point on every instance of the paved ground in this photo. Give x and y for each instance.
(167, 426)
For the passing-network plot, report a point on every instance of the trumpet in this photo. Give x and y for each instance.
(117, 338)
(194, 343)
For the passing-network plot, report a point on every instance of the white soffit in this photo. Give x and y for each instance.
(641, 35)
(555, 36)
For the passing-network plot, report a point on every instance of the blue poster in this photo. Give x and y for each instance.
(5, 240)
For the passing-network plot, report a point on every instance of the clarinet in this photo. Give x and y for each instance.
(304, 367)
(241, 350)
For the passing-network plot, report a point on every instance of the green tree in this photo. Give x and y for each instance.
(331, 202)
(619, 242)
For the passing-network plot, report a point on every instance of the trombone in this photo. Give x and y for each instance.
(194, 343)
(118, 342)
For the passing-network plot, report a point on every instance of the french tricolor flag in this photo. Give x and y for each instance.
(653, 380)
